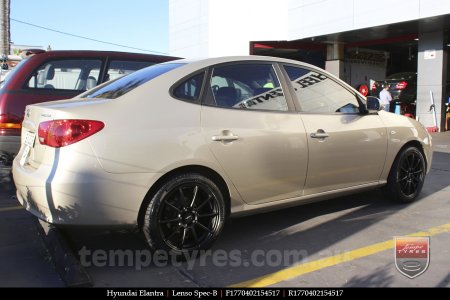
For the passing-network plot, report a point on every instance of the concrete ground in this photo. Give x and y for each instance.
(25, 261)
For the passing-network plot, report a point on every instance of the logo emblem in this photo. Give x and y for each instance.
(412, 255)
(27, 112)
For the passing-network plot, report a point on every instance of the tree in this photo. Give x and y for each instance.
(5, 28)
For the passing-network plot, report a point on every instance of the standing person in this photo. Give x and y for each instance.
(385, 97)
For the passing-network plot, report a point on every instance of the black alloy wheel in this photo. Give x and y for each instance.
(187, 213)
(407, 175)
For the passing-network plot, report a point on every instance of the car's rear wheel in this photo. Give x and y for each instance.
(407, 176)
(187, 213)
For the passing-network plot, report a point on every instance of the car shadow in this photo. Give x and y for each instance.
(380, 277)
(6, 181)
(301, 234)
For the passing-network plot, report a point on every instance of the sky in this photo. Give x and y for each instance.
(140, 25)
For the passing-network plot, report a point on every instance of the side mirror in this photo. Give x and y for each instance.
(373, 103)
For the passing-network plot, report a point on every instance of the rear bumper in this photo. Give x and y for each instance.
(61, 195)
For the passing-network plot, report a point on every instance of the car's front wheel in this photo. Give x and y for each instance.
(407, 175)
(187, 213)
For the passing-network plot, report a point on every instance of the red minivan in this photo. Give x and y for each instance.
(54, 75)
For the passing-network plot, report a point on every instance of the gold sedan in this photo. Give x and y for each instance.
(177, 147)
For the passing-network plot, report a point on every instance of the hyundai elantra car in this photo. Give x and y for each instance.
(178, 147)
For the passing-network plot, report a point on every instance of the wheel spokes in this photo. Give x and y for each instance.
(409, 159)
(210, 197)
(417, 164)
(405, 177)
(182, 197)
(410, 174)
(409, 188)
(404, 169)
(194, 196)
(183, 239)
(167, 239)
(179, 217)
(210, 215)
(204, 227)
(172, 206)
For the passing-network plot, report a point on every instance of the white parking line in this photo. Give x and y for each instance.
(298, 270)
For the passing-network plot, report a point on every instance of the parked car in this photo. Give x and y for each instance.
(402, 86)
(51, 75)
(178, 147)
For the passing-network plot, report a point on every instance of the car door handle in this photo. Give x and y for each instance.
(224, 138)
(320, 134)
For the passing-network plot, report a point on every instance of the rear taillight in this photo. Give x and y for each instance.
(373, 87)
(10, 122)
(401, 85)
(60, 133)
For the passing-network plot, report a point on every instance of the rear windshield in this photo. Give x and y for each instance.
(127, 83)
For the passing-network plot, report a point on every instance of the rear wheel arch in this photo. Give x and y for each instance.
(201, 170)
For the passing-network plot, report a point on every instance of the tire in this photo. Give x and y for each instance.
(407, 176)
(187, 213)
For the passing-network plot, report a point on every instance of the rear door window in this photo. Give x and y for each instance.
(73, 74)
(119, 68)
(247, 86)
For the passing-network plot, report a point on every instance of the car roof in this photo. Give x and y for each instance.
(96, 53)
(224, 59)
(193, 64)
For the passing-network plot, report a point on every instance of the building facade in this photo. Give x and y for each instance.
(357, 40)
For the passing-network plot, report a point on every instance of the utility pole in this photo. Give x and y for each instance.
(5, 29)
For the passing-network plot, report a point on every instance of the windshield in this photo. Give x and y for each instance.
(12, 72)
(123, 85)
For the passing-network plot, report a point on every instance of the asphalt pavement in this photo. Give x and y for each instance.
(25, 260)
(30, 260)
